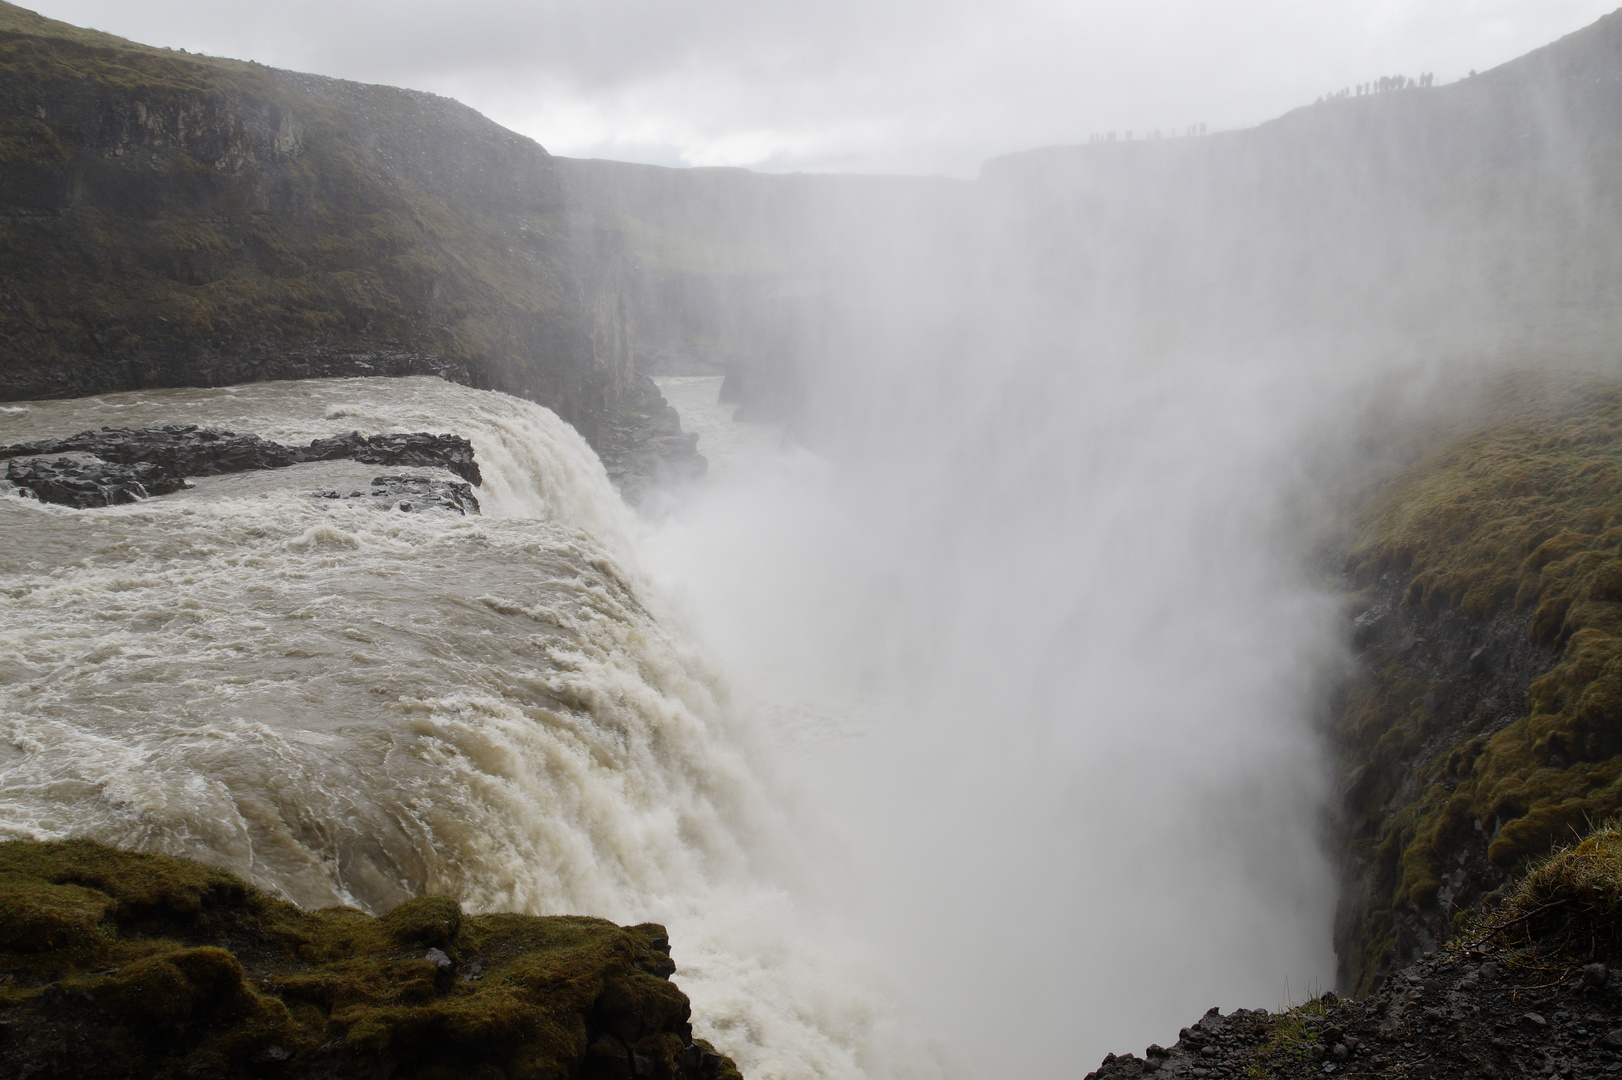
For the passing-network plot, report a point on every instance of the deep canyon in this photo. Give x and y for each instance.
(961, 627)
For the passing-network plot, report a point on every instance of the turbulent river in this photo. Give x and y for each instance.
(354, 706)
(980, 758)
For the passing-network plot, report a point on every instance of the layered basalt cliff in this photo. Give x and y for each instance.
(120, 965)
(177, 220)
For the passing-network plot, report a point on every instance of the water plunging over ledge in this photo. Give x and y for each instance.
(353, 706)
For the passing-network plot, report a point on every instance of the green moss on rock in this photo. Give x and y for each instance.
(1513, 530)
(1573, 897)
(120, 964)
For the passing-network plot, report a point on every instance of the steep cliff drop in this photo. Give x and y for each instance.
(347, 704)
(1481, 729)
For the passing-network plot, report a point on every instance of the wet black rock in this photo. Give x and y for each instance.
(141, 462)
(643, 447)
(1465, 1013)
(417, 450)
(412, 494)
(83, 484)
(177, 449)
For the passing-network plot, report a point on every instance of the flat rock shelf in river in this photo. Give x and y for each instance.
(409, 493)
(140, 463)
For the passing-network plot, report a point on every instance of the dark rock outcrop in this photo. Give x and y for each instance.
(141, 462)
(1216, 1045)
(1527, 987)
(83, 484)
(119, 965)
(644, 446)
(413, 493)
(1463, 1014)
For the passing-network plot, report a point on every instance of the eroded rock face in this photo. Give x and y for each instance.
(1427, 685)
(644, 447)
(139, 463)
(82, 484)
(1480, 729)
(413, 494)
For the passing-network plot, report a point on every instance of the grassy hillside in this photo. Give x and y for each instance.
(170, 219)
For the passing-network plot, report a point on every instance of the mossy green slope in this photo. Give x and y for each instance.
(128, 965)
(170, 219)
(1512, 529)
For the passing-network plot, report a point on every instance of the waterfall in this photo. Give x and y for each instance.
(354, 706)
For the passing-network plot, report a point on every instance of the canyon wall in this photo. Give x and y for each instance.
(1483, 725)
(169, 219)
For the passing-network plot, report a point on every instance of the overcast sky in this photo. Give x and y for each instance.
(920, 86)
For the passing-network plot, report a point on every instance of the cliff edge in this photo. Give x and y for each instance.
(1484, 725)
(115, 964)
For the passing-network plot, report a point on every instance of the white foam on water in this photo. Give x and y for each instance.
(354, 706)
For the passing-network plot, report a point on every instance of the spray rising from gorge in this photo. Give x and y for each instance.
(354, 706)
(966, 719)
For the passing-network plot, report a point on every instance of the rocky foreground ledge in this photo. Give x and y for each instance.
(1531, 987)
(143, 462)
(118, 965)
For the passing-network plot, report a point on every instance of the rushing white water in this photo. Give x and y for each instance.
(353, 706)
(1001, 762)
